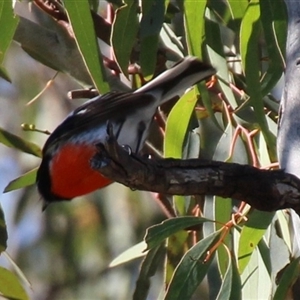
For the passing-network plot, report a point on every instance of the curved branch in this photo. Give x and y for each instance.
(262, 189)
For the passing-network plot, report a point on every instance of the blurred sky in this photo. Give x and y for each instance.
(65, 251)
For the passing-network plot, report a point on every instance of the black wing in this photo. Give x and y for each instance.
(111, 106)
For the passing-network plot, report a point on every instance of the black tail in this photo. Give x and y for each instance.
(176, 80)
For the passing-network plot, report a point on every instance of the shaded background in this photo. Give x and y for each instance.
(65, 251)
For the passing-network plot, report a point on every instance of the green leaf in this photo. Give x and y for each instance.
(24, 180)
(222, 150)
(116, 2)
(194, 26)
(177, 244)
(251, 234)
(8, 25)
(231, 287)
(191, 270)
(176, 131)
(3, 232)
(285, 229)
(237, 8)
(4, 74)
(221, 207)
(217, 57)
(168, 39)
(249, 39)
(288, 278)
(236, 290)
(94, 4)
(79, 15)
(276, 255)
(265, 254)
(151, 23)
(149, 266)
(223, 211)
(13, 141)
(256, 275)
(262, 149)
(175, 134)
(17, 270)
(132, 253)
(156, 234)
(274, 22)
(10, 286)
(124, 32)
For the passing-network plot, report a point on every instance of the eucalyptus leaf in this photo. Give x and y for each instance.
(79, 15)
(148, 268)
(13, 141)
(156, 234)
(251, 234)
(8, 25)
(124, 33)
(191, 270)
(24, 180)
(10, 286)
(3, 232)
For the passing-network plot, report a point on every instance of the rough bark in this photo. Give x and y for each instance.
(262, 189)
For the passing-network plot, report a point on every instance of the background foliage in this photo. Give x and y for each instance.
(229, 251)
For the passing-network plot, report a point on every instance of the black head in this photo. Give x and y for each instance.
(43, 181)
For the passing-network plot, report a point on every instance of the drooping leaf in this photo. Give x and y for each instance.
(222, 150)
(172, 42)
(175, 134)
(10, 286)
(276, 255)
(148, 268)
(177, 243)
(13, 141)
(176, 131)
(255, 275)
(290, 274)
(150, 26)
(223, 211)
(249, 39)
(116, 2)
(251, 234)
(24, 180)
(231, 287)
(237, 9)
(4, 74)
(3, 232)
(79, 15)
(17, 270)
(124, 32)
(274, 23)
(156, 234)
(191, 270)
(8, 25)
(132, 253)
(194, 26)
(217, 57)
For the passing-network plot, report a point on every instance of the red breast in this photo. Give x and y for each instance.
(71, 174)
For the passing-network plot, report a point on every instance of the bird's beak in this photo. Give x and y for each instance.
(45, 205)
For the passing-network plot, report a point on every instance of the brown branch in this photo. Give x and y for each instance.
(262, 189)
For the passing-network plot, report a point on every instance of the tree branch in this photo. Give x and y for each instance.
(262, 189)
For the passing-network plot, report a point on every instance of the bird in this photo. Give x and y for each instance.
(65, 171)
